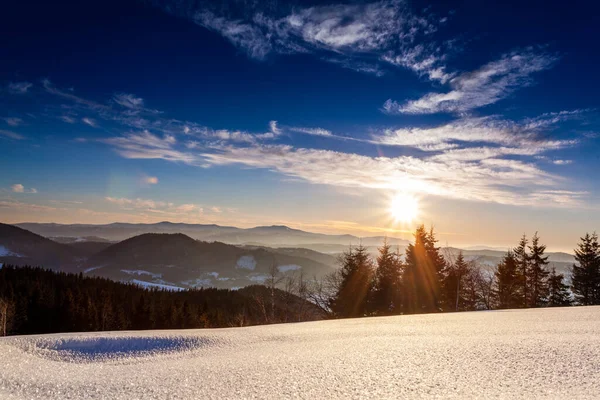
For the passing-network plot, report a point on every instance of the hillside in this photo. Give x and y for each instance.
(449, 356)
(19, 246)
(179, 260)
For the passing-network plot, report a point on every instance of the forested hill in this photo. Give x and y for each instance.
(34, 300)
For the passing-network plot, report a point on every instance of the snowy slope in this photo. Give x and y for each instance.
(543, 353)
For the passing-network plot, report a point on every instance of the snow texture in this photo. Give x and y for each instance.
(5, 252)
(246, 262)
(522, 354)
(287, 268)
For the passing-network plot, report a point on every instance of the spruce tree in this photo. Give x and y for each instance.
(585, 275)
(522, 261)
(351, 299)
(453, 284)
(537, 273)
(386, 297)
(424, 266)
(558, 291)
(508, 284)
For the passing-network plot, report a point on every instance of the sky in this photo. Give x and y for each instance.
(316, 115)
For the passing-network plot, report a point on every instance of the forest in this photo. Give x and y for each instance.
(35, 300)
(422, 280)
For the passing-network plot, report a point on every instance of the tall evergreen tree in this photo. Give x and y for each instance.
(452, 285)
(585, 275)
(386, 297)
(537, 273)
(522, 260)
(424, 266)
(351, 299)
(558, 291)
(508, 284)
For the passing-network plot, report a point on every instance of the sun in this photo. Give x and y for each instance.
(404, 207)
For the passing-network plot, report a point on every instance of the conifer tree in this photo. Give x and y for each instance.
(351, 299)
(424, 266)
(508, 284)
(585, 275)
(537, 274)
(386, 296)
(522, 261)
(452, 284)
(558, 291)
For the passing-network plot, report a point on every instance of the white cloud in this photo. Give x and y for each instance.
(497, 180)
(312, 131)
(19, 87)
(146, 145)
(11, 135)
(514, 138)
(19, 188)
(357, 36)
(151, 180)
(129, 101)
(12, 121)
(486, 85)
(562, 162)
(67, 119)
(90, 122)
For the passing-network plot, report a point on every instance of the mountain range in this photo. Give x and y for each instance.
(173, 259)
(275, 235)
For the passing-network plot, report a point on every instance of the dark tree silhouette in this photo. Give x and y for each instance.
(558, 291)
(586, 273)
(508, 284)
(537, 274)
(386, 296)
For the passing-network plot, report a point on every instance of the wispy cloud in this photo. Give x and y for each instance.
(19, 87)
(498, 180)
(90, 122)
(312, 131)
(11, 135)
(13, 121)
(514, 138)
(129, 101)
(146, 145)
(357, 36)
(151, 180)
(486, 85)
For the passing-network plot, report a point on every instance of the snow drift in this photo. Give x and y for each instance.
(541, 353)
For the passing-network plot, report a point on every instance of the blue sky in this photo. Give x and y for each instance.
(310, 114)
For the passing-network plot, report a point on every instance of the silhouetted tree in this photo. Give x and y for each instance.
(386, 296)
(422, 274)
(558, 291)
(537, 274)
(507, 283)
(352, 297)
(586, 273)
(522, 261)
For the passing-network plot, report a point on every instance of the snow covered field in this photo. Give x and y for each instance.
(543, 353)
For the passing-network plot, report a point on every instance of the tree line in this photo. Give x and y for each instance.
(35, 300)
(424, 280)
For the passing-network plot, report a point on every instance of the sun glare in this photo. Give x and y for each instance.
(404, 208)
